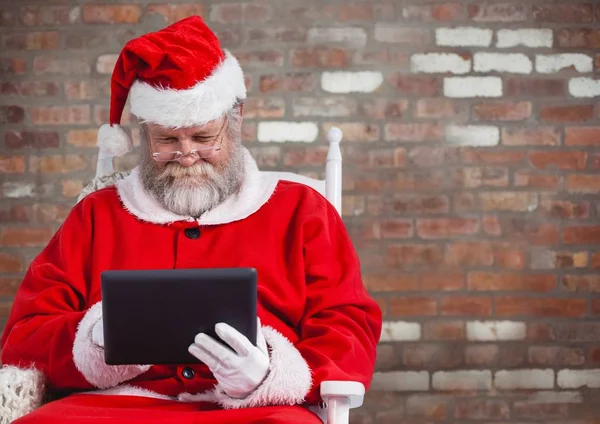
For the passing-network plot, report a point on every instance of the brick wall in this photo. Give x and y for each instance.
(471, 173)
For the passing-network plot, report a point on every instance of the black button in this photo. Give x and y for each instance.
(188, 373)
(192, 233)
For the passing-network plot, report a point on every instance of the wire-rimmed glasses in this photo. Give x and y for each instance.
(212, 148)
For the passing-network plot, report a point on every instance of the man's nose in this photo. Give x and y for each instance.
(186, 147)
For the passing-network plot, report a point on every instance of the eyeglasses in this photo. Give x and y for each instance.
(201, 153)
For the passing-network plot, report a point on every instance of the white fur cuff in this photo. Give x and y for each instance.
(21, 392)
(89, 357)
(288, 382)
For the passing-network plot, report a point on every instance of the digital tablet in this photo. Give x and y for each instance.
(152, 316)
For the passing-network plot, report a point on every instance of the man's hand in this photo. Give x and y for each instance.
(239, 373)
(98, 333)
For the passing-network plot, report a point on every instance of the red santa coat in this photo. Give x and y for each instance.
(318, 320)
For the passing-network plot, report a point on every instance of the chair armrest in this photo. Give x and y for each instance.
(340, 397)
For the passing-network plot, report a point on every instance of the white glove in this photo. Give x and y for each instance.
(98, 333)
(239, 373)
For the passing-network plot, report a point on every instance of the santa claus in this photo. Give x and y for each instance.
(196, 199)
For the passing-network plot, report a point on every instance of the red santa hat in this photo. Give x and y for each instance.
(176, 77)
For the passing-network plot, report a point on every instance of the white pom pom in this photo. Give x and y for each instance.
(113, 141)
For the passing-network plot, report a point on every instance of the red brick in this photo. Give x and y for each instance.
(472, 177)
(34, 15)
(433, 12)
(29, 89)
(564, 209)
(47, 40)
(535, 87)
(435, 228)
(555, 355)
(507, 201)
(536, 180)
(356, 131)
(542, 307)
(320, 57)
(25, 237)
(419, 180)
(412, 306)
(416, 85)
(11, 114)
(442, 281)
(259, 59)
(60, 115)
(430, 407)
(500, 12)
(444, 330)
(356, 12)
(287, 83)
(481, 355)
(564, 13)
(8, 286)
(466, 305)
(72, 188)
(12, 164)
(396, 228)
(248, 12)
(582, 136)
(57, 164)
(383, 108)
(467, 254)
(277, 34)
(82, 138)
(493, 157)
(503, 111)
(423, 156)
(391, 283)
(530, 231)
(438, 108)
(580, 38)
(414, 255)
(259, 107)
(432, 355)
(558, 160)
(582, 183)
(388, 57)
(9, 263)
(414, 132)
(61, 66)
(489, 281)
(510, 258)
(12, 66)
(173, 13)
(482, 409)
(417, 204)
(567, 114)
(581, 283)
(584, 234)
(111, 14)
(491, 225)
(539, 136)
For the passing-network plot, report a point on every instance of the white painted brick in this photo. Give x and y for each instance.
(549, 63)
(584, 87)
(516, 63)
(401, 381)
(106, 63)
(527, 37)
(463, 36)
(395, 331)
(287, 131)
(524, 379)
(440, 63)
(464, 87)
(472, 135)
(17, 190)
(351, 82)
(348, 35)
(462, 380)
(495, 330)
(574, 379)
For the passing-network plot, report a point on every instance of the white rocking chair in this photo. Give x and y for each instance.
(21, 391)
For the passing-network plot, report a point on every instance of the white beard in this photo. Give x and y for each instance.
(192, 191)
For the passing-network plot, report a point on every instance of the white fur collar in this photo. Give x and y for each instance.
(257, 188)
